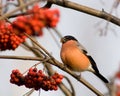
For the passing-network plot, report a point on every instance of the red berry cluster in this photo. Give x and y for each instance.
(117, 75)
(8, 38)
(48, 17)
(37, 19)
(17, 78)
(116, 84)
(117, 91)
(36, 79)
(11, 35)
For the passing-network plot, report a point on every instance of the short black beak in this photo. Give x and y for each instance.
(62, 40)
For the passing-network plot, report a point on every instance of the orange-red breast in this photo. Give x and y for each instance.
(75, 57)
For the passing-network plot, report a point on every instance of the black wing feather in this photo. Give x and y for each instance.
(94, 66)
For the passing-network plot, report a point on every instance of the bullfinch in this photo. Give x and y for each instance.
(76, 58)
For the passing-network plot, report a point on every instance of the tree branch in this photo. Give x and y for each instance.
(100, 14)
(22, 58)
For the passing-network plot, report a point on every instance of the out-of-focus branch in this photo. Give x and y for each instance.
(100, 14)
(29, 93)
(48, 5)
(22, 3)
(104, 30)
(0, 7)
(57, 32)
(54, 38)
(17, 9)
(42, 48)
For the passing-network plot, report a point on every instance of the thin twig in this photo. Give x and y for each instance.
(40, 46)
(36, 47)
(29, 92)
(56, 41)
(21, 58)
(22, 3)
(43, 61)
(58, 33)
(70, 83)
(107, 25)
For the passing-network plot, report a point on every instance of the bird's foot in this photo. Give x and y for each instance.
(79, 75)
(64, 66)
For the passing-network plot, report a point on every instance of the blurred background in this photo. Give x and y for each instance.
(102, 44)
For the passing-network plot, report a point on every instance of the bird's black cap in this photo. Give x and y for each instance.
(67, 38)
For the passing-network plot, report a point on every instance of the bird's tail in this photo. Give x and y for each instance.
(101, 77)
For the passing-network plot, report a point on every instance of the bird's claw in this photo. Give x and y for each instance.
(64, 66)
(79, 76)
